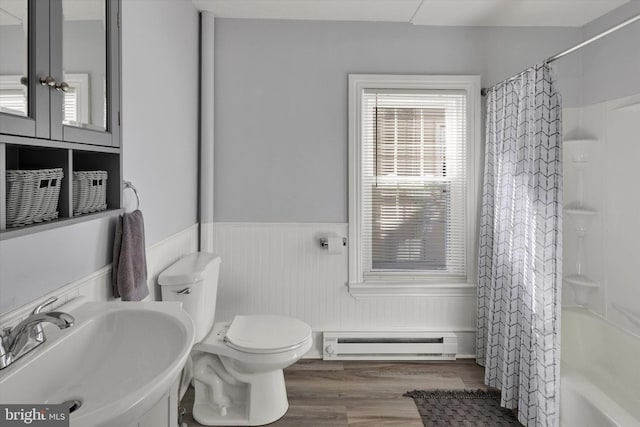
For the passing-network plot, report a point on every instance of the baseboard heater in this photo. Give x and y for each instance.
(389, 346)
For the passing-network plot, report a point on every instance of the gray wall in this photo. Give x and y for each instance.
(36, 264)
(281, 101)
(612, 64)
(160, 106)
(159, 46)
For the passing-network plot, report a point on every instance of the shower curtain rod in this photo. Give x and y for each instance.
(559, 55)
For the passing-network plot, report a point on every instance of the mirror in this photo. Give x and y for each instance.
(84, 63)
(14, 66)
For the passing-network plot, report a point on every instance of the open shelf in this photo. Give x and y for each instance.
(31, 157)
(91, 161)
(10, 233)
(580, 280)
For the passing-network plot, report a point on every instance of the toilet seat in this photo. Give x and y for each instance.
(264, 334)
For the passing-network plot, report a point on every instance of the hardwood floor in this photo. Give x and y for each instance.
(354, 393)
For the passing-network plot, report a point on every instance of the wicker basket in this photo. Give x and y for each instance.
(32, 195)
(89, 191)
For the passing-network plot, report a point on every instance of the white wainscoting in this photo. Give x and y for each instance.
(280, 268)
(97, 286)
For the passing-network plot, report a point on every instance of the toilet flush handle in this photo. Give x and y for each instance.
(185, 291)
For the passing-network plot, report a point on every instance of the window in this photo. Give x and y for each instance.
(412, 184)
(76, 99)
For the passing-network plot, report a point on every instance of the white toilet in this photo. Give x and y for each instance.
(237, 365)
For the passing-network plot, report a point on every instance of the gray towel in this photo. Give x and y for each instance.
(129, 276)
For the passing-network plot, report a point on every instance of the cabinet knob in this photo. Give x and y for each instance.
(63, 86)
(47, 81)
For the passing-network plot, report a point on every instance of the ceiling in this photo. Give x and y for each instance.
(510, 13)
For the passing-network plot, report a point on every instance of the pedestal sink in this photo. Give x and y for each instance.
(115, 363)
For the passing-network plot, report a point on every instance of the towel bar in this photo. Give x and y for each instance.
(129, 185)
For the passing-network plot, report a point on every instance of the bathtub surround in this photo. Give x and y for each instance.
(520, 262)
(607, 114)
(611, 251)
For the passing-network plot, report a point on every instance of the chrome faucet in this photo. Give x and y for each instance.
(28, 334)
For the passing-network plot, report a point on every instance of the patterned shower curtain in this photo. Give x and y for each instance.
(520, 253)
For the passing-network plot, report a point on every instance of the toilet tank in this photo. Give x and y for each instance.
(193, 280)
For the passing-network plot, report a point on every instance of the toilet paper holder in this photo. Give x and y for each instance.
(324, 242)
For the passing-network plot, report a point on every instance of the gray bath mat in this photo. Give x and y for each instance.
(462, 408)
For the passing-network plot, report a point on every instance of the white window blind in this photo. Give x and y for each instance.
(13, 95)
(13, 101)
(70, 103)
(414, 181)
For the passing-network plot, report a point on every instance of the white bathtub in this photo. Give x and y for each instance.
(600, 373)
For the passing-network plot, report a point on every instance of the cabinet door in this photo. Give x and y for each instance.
(24, 64)
(85, 60)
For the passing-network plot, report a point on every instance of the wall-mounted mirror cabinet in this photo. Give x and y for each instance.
(59, 94)
(59, 74)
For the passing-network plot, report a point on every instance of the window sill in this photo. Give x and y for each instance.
(404, 290)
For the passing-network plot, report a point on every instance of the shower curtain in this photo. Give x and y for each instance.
(520, 253)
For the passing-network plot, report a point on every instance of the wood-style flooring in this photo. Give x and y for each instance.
(354, 393)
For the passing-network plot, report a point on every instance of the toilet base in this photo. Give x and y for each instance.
(246, 400)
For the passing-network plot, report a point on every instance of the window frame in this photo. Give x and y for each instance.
(79, 82)
(411, 283)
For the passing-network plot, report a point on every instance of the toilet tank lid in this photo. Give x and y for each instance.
(188, 269)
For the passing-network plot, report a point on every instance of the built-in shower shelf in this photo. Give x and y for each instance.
(580, 141)
(579, 149)
(580, 212)
(580, 216)
(582, 281)
(583, 287)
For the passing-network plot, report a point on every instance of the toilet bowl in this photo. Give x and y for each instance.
(237, 365)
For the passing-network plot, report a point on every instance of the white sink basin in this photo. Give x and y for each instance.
(117, 359)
